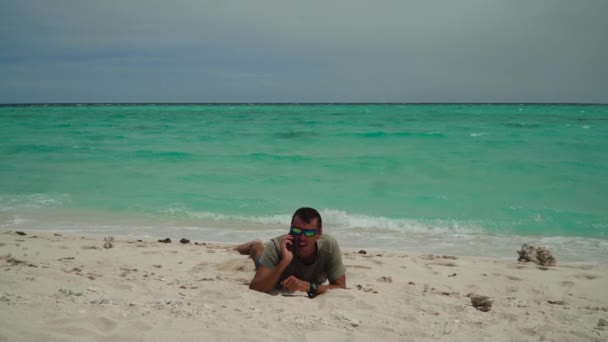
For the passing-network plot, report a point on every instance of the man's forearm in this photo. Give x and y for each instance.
(267, 283)
(324, 288)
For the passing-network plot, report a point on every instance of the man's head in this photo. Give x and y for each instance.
(306, 219)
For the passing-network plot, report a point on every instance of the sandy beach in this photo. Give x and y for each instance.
(68, 287)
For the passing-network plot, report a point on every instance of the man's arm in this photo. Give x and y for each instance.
(336, 269)
(339, 283)
(294, 284)
(265, 278)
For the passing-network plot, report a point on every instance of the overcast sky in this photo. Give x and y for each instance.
(303, 51)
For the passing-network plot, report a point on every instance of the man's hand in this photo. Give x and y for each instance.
(286, 246)
(294, 284)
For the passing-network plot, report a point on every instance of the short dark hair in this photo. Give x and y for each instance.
(307, 214)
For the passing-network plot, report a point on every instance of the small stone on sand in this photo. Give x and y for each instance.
(556, 302)
(184, 241)
(20, 233)
(362, 252)
(167, 240)
(481, 303)
(385, 279)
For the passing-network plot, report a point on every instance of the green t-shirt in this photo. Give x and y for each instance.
(328, 264)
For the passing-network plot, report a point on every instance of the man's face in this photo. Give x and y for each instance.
(305, 246)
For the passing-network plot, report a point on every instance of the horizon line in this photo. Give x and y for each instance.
(297, 103)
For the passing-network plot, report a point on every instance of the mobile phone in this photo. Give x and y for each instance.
(290, 246)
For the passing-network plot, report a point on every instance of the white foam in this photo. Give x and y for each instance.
(477, 134)
(8, 220)
(566, 249)
(352, 230)
(38, 200)
(343, 220)
(269, 220)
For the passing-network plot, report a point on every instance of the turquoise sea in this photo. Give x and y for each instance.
(460, 179)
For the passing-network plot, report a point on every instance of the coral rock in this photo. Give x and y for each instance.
(108, 242)
(538, 255)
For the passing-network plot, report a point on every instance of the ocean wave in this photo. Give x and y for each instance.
(33, 201)
(294, 135)
(342, 220)
(352, 230)
(379, 134)
(7, 220)
(397, 235)
(522, 125)
(33, 148)
(265, 156)
(178, 210)
(149, 154)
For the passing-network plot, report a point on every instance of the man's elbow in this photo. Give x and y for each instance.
(252, 286)
(255, 287)
(339, 283)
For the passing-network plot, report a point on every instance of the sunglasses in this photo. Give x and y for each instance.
(306, 232)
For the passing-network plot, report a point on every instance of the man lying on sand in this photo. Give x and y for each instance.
(299, 261)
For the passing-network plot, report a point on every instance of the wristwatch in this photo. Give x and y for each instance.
(313, 289)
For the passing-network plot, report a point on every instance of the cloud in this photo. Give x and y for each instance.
(254, 51)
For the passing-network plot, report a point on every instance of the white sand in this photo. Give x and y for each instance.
(69, 288)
